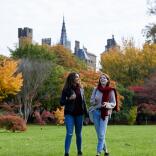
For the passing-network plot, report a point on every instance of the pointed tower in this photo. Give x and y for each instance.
(63, 39)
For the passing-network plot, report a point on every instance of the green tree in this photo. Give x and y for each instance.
(49, 93)
(33, 52)
(132, 115)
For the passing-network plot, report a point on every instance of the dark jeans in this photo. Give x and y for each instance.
(70, 122)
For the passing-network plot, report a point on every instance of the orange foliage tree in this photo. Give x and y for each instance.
(10, 82)
(65, 58)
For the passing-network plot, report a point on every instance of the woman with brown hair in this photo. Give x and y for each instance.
(103, 101)
(75, 107)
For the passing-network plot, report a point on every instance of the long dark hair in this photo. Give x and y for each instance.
(70, 80)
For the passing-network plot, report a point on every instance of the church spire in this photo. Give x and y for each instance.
(63, 39)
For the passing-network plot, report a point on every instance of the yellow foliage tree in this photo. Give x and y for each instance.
(149, 57)
(112, 64)
(59, 115)
(128, 66)
(10, 82)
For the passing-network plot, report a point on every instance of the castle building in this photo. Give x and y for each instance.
(111, 43)
(25, 36)
(46, 41)
(63, 38)
(83, 54)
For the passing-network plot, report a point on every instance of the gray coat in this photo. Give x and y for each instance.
(96, 100)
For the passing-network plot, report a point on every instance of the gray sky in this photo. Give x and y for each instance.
(91, 22)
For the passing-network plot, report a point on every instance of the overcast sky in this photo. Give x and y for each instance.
(91, 22)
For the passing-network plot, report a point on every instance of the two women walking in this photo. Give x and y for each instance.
(103, 101)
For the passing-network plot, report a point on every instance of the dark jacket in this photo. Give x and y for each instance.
(69, 104)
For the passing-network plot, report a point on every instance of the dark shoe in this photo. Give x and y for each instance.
(66, 154)
(106, 154)
(98, 154)
(79, 153)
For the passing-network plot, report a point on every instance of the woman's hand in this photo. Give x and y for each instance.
(72, 97)
(104, 104)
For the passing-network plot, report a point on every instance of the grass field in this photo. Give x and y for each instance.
(49, 141)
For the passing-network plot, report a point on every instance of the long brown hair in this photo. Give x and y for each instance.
(70, 80)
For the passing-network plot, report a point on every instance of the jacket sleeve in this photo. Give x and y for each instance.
(112, 101)
(85, 108)
(92, 99)
(63, 99)
(96, 103)
(84, 104)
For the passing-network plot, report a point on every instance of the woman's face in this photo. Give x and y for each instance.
(77, 79)
(103, 80)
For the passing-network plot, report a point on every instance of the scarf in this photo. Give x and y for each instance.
(105, 98)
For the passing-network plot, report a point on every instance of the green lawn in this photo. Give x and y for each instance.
(49, 141)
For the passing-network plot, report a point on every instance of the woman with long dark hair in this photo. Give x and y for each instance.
(74, 104)
(103, 101)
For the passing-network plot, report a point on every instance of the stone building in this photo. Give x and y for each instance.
(111, 43)
(83, 54)
(46, 41)
(25, 36)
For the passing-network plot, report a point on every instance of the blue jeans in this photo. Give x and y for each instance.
(100, 127)
(70, 121)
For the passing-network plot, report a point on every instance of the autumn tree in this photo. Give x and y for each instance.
(145, 97)
(148, 93)
(2, 57)
(146, 113)
(10, 81)
(149, 58)
(125, 65)
(65, 58)
(130, 65)
(112, 63)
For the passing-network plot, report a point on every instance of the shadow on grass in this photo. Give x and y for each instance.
(7, 131)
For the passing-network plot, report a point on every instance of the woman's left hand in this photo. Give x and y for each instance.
(104, 104)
